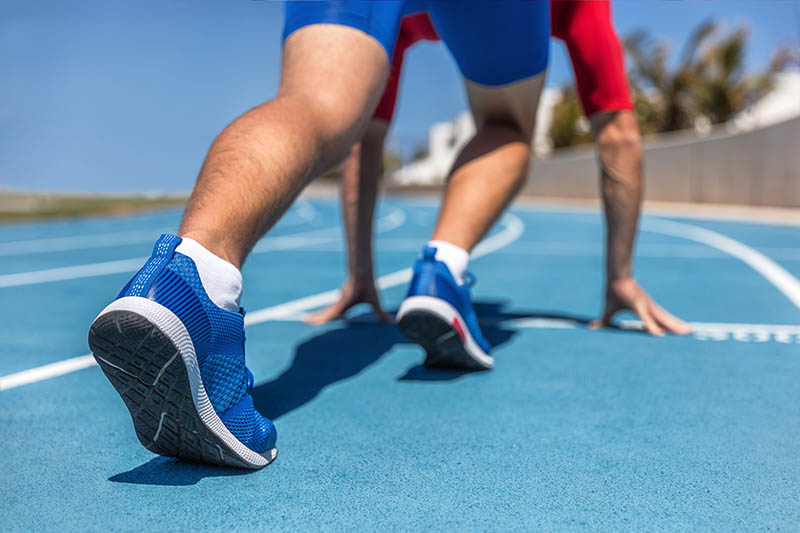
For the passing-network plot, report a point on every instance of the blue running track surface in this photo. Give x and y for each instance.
(572, 429)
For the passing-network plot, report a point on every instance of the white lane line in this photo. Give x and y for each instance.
(512, 230)
(550, 248)
(772, 272)
(385, 224)
(689, 251)
(41, 373)
(77, 242)
(702, 331)
(391, 221)
(73, 272)
(305, 211)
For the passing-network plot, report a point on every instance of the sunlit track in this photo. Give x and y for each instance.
(550, 248)
(303, 209)
(781, 278)
(512, 230)
(79, 242)
(391, 221)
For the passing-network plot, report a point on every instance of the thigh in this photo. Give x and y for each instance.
(336, 56)
(495, 43)
(337, 74)
(514, 104)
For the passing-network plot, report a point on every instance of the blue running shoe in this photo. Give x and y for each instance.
(438, 315)
(177, 360)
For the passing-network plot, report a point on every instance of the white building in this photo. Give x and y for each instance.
(781, 103)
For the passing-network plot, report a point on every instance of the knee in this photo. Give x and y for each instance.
(620, 136)
(331, 117)
(328, 120)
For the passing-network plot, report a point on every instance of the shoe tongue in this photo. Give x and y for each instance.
(429, 253)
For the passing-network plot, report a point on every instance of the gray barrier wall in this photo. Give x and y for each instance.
(757, 167)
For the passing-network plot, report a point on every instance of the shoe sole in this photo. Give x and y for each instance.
(146, 353)
(439, 328)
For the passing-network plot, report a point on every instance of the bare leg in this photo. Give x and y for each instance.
(494, 164)
(260, 162)
(361, 173)
(359, 193)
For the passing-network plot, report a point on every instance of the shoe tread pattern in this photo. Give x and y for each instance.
(147, 371)
(441, 341)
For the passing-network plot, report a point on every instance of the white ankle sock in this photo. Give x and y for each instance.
(221, 280)
(455, 257)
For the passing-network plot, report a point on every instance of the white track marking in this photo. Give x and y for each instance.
(46, 372)
(772, 272)
(72, 272)
(550, 248)
(393, 220)
(703, 331)
(303, 208)
(512, 230)
(762, 216)
(77, 242)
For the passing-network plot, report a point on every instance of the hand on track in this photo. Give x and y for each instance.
(626, 294)
(354, 291)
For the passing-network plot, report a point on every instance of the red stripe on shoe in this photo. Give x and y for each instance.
(459, 328)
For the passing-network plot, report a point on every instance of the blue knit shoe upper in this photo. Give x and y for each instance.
(433, 278)
(171, 279)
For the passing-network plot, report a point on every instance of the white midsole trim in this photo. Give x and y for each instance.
(448, 313)
(171, 326)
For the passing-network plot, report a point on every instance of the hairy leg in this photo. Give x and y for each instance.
(361, 174)
(493, 165)
(261, 161)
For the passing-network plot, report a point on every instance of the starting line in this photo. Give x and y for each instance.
(702, 331)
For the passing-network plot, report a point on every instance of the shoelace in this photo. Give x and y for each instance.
(250, 379)
(470, 279)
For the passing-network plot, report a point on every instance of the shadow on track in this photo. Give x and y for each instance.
(322, 360)
(171, 472)
(344, 352)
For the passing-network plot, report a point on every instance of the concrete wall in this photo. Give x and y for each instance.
(757, 167)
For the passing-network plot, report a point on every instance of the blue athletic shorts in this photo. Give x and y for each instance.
(493, 42)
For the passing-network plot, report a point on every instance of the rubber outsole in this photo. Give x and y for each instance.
(146, 369)
(440, 339)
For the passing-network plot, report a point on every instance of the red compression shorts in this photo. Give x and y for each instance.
(595, 52)
(585, 27)
(413, 28)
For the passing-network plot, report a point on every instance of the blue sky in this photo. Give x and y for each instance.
(127, 95)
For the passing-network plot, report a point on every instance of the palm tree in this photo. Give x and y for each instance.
(721, 89)
(709, 80)
(663, 97)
